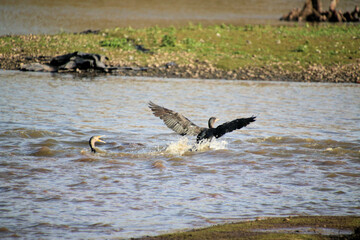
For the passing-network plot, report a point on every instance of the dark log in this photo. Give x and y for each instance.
(312, 11)
(317, 5)
(333, 4)
(306, 11)
(355, 14)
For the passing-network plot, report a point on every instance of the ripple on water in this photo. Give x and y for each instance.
(87, 159)
(145, 179)
(44, 151)
(40, 170)
(27, 133)
(349, 174)
(288, 147)
(49, 142)
(330, 163)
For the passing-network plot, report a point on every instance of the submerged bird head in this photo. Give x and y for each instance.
(212, 121)
(93, 140)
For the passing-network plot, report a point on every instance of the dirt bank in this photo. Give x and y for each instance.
(309, 227)
(309, 53)
(348, 73)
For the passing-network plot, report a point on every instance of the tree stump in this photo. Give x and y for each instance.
(312, 12)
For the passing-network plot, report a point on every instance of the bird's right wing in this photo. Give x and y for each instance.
(175, 121)
(233, 125)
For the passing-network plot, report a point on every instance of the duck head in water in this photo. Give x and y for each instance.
(93, 140)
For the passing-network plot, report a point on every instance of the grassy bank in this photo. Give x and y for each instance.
(312, 227)
(229, 51)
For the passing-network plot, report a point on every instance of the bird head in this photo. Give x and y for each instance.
(212, 121)
(95, 139)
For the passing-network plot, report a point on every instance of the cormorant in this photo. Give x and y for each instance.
(92, 142)
(184, 126)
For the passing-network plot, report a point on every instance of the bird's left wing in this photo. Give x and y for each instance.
(232, 125)
(175, 121)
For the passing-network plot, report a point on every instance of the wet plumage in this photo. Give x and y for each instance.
(183, 126)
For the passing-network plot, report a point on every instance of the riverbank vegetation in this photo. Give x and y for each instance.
(306, 53)
(311, 227)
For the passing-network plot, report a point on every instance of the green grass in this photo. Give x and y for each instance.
(224, 46)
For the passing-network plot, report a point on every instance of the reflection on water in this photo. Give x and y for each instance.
(301, 156)
(38, 16)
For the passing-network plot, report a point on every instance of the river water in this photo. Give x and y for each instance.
(301, 156)
(44, 16)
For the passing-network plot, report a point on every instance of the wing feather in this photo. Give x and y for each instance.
(232, 125)
(175, 121)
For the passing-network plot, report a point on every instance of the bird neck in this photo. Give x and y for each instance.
(92, 145)
(93, 150)
(211, 123)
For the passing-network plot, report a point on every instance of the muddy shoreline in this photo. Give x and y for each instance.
(300, 227)
(203, 70)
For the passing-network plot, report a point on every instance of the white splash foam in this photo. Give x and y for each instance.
(182, 146)
(218, 144)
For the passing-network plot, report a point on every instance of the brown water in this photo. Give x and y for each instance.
(301, 156)
(44, 16)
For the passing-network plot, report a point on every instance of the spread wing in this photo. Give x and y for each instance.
(175, 121)
(232, 125)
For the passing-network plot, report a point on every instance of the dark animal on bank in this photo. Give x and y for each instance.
(184, 126)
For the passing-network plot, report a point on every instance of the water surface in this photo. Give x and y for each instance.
(301, 156)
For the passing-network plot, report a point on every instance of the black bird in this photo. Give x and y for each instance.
(184, 126)
(92, 142)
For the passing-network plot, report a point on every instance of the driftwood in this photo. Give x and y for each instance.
(312, 12)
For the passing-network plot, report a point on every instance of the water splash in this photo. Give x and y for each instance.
(180, 147)
(218, 144)
(183, 146)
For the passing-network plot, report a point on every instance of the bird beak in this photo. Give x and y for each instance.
(216, 119)
(99, 140)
